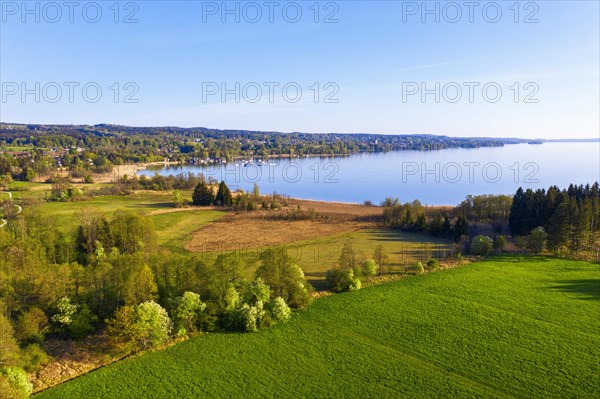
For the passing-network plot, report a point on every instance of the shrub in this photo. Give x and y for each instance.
(34, 357)
(83, 322)
(280, 310)
(14, 383)
(433, 264)
(417, 268)
(499, 244)
(481, 245)
(343, 280)
(370, 268)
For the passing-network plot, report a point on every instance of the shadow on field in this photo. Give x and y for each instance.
(589, 288)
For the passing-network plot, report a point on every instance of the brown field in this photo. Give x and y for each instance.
(252, 231)
(258, 229)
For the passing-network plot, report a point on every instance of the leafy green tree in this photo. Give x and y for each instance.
(257, 291)
(223, 197)
(340, 280)
(481, 245)
(187, 311)
(285, 278)
(65, 312)
(123, 330)
(227, 271)
(203, 195)
(178, 199)
(280, 310)
(32, 325)
(153, 324)
(536, 241)
(251, 316)
(380, 257)
(132, 232)
(83, 322)
(140, 285)
(370, 268)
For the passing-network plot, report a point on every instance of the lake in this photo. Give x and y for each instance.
(442, 177)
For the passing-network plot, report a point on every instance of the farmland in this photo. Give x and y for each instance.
(507, 327)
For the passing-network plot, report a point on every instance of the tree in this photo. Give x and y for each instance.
(178, 199)
(256, 191)
(153, 323)
(32, 325)
(499, 243)
(380, 257)
(223, 197)
(370, 268)
(5, 181)
(187, 311)
(9, 348)
(203, 195)
(132, 232)
(140, 286)
(285, 278)
(461, 227)
(256, 291)
(481, 245)
(536, 241)
(433, 264)
(65, 312)
(347, 259)
(340, 280)
(280, 310)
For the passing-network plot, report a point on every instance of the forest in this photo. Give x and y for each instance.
(96, 149)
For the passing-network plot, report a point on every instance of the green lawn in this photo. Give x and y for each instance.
(174, 229)
(66, 213)
(507, 327)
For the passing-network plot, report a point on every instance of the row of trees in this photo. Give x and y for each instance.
(204, 195)
(569, 218)
(414, 217)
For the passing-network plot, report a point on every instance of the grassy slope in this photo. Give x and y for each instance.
(507, 327)
(175, 229)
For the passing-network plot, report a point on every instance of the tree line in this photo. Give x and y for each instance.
(565, 221)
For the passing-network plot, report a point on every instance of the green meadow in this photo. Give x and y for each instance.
(508, 327)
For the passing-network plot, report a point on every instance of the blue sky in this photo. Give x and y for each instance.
(368, 61)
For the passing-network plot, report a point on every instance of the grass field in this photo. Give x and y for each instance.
(175, 229)
(317, 256)
(506, 327)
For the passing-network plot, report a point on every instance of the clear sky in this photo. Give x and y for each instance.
(371, 62)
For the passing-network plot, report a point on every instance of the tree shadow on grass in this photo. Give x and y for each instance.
(587, 288)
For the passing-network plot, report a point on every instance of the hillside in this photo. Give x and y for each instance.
(506, 327)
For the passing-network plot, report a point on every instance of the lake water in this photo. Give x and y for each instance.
(442, 177)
